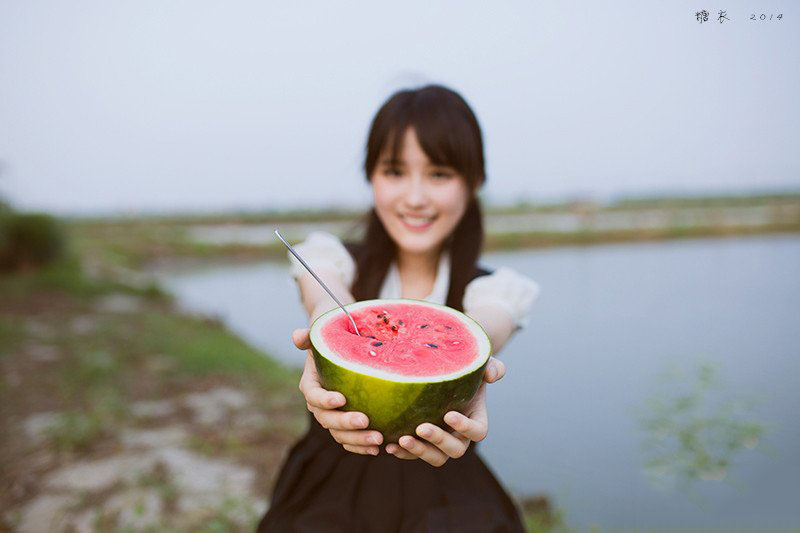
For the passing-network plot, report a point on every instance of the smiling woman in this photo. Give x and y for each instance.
(424, 163)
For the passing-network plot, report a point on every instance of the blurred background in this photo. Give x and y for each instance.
(642, 168)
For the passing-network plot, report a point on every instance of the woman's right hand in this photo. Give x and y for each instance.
(346, 427)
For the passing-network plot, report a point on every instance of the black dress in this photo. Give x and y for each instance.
(322, 487)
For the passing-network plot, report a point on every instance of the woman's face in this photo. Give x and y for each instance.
(419, 203)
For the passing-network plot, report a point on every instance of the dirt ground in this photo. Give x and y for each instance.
(108, 426)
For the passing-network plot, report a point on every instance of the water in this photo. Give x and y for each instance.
(610, 321)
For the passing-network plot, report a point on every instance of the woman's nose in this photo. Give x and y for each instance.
(416, 193)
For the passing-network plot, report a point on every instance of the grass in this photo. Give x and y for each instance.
(203, 347)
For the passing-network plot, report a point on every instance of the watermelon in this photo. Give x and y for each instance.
(413, 362)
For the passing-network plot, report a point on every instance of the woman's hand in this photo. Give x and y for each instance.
(347, 428)
(436, 445)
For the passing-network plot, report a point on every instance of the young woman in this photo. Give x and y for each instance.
(423, 238)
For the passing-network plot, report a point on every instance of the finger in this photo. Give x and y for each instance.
(495, 370)
(427, 452)
(363, 450)
(340, 420)
(475, 428)
(301, 339)
(313, 391)
(451, 445)
(399, 452)
(357, 437)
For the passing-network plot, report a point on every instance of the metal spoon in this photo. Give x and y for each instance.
(289, 246)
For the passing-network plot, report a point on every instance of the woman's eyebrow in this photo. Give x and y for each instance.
(390, 161)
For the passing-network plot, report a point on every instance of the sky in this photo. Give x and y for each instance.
(125, 107)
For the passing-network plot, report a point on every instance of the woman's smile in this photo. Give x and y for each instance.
(417, 223)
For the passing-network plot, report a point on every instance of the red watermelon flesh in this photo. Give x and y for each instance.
(408, 340)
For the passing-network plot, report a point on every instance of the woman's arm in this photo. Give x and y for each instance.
(315, 299)
(497, 323)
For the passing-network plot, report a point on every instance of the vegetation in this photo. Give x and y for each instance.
(29, 240)
(695, 429)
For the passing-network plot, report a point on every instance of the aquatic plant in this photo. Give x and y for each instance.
(695, 430)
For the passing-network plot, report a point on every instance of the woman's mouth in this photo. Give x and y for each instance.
(417, 223)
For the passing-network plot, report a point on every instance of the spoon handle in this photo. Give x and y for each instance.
(289, 246)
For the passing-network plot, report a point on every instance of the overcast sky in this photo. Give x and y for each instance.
(190, 105)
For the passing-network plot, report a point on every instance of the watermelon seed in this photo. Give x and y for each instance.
(394, 328)
(447, 327)
(385, 320)
(431, 345)
(400, 322)
(423, 326)
(371, 336)
(379, 315)
(377, 344)
(456, 342)
(373, 354)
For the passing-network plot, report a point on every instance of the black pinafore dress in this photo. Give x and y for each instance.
(324, 488)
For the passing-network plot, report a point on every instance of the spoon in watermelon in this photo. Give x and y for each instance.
(289, 246)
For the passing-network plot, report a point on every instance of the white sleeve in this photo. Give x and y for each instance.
(322, 249)
(505, 288)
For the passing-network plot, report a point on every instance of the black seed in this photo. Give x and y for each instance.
(394, 328)
(423, 326)
(377, 343)
(371, 336)
(400, 322)
(380, 315)
(429, 345)
(385, 320)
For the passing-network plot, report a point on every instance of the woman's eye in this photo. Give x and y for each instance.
(392, 171)
(442, 174)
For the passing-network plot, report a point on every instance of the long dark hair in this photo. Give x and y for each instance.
(449, 134)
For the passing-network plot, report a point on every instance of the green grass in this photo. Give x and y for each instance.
(204, 347)
(67, 277)
(12, 333)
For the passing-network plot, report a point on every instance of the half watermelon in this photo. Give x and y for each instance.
(413, 362)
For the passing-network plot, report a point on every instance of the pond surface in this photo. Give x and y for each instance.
(586, 403)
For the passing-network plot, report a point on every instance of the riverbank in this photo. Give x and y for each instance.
(137, 243)
(120, 412)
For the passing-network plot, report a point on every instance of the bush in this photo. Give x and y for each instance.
(29, 240)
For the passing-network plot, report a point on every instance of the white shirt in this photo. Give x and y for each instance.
(506, 288)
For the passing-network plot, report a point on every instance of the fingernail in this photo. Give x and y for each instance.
(451, 418)
(373, 452)
(425, 431)
(372, 439)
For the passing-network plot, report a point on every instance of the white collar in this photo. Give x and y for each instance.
(392, 288)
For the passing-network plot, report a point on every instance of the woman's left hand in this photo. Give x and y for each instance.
(435, 445)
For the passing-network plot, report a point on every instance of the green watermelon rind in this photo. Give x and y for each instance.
(396, 408)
